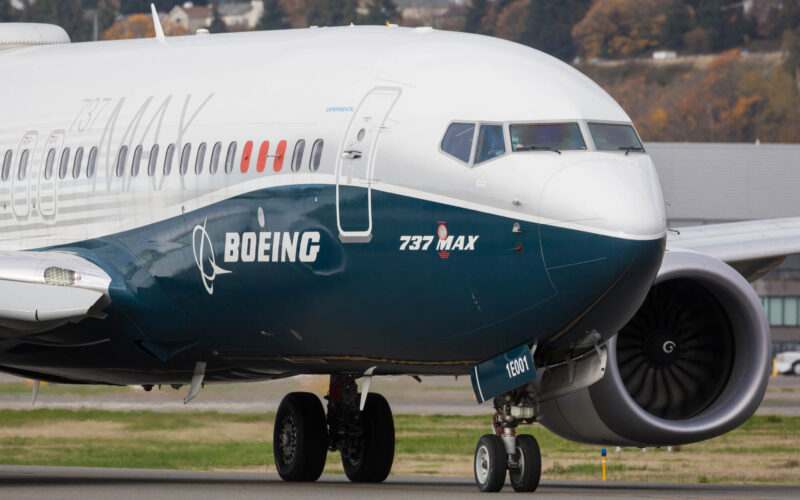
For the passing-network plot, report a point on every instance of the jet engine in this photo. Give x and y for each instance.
(693, 363)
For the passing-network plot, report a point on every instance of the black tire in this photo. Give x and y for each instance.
(300, 438)
(525, 478)
(796, 368)
(490, 463)
(376, 454)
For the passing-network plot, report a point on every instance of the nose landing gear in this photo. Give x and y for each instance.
(505, 451)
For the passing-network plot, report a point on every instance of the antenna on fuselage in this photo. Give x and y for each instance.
(157, 25)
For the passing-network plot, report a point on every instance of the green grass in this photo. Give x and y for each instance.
(133, 420)
(426, 444)
(156, 454)
(16, 388)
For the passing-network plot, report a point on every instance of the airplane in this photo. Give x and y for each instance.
(363, 201)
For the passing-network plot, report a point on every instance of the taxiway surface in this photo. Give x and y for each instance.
(43, 483)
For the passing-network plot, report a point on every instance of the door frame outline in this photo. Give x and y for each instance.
(362, 236)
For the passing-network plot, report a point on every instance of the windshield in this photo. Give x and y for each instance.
(491, 143)
(613, 137)
(547, 137)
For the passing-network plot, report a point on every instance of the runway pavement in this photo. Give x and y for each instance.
(43, 483)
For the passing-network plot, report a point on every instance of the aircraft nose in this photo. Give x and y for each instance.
(618, 197)
(604, 248)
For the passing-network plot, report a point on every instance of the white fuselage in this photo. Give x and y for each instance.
(293, 85)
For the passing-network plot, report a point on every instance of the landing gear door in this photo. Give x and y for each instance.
(356, 163)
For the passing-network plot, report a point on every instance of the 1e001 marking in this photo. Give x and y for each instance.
(517, 367)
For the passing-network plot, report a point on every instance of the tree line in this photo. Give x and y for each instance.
(628, 28)
(278, 14)
(733, 98)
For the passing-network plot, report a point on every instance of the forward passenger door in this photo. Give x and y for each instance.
(356, 162)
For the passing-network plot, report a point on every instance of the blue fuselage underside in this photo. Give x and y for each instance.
(355, 305)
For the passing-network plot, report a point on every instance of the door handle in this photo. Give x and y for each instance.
(351, 155)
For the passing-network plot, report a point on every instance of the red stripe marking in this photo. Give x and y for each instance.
(262, 156)
(280, 152)
(248, 149)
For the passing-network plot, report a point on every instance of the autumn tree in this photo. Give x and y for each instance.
(724, 24)
(217, 25)
(477, 10)
(143, 6)
(678, 21)
(106, 13)
(65, 13)
(331, 12)
(135, 26)
(509, 21)
(791, 47)
(274, 17)
(7, 12)
(620, 28)
(381, 12)
(549, 26)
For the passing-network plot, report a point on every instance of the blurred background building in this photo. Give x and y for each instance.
(718, 183)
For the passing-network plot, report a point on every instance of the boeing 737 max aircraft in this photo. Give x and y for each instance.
(366, 201)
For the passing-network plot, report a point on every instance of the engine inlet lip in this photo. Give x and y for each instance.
(747, 382)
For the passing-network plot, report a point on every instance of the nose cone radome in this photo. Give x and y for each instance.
(612, 195)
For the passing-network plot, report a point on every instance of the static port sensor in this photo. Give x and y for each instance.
(502, 373)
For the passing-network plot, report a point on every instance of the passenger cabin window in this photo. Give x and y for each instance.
(23, 165)
(457, 141)
(91, 165)
(48, 166)
(547, 137)
(76, 165)
(137, 160)
(63, 165)
(615, 137)
(297, 158)
(263, 151)
(121, 157)
(248, 150)
(168, 159)
(151, 163)
(230, 157)
(185, 154)
(280, 154)
(316, 155)
(201, 156)
(491, 143)
(214, 165)
(7, 164)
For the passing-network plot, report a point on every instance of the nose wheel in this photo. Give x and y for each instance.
(491, 463)
(504, 451)
(526, 474)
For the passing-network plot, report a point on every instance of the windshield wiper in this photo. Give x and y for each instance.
(539, 148)
(628, 149)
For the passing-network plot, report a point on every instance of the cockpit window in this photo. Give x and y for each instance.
(615, 137)
(490, 143)
(546, 137)
(457, 140)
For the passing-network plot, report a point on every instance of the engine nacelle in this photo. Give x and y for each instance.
(693, 363)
